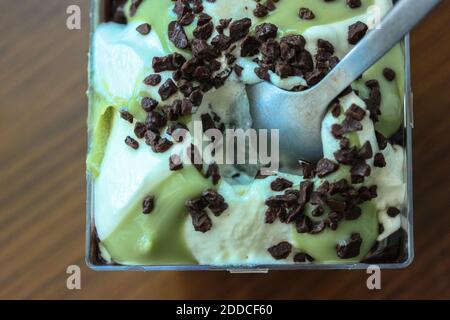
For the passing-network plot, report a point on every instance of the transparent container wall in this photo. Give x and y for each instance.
(395, 252)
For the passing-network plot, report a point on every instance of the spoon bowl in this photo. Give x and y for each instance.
(298, 115)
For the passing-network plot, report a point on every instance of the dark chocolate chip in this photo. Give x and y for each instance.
(355, 112)
(379, 161)
(132, 142)
(134, 7)
(204, 31)
(345, 155)
(177, 35)
(213, 173)
(262, 73)
(303, 257)
(280, 184)
(366, 151)
(167, 89)
(361, 169)
(240, 28)
(148, 205)
(221, 42)
(140, 129)
(125, 115)
(155, 120)
(144, 29)
(149, 104)
(325, 166)
(354, 3)
(356, 32)
(382, 141)
(201, 221)
(238, 70)
(153, 80)
(266, 31)
(393, 212)
(281, 250)
(306, 14)
(389, 74)
(175, 163)
(250, 46)
(260, 11)
(216, 202)
(350, 248)
(163, 145)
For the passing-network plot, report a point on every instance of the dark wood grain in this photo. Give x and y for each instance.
(42, 184)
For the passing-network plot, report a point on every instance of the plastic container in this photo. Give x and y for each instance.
(395, 252)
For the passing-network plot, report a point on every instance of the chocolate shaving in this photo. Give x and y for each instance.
(325, 167)
(281, 250)
(129, 141)
(356, 32)
(350, 248)
(148, 205)
(306, 14)
(280, 184)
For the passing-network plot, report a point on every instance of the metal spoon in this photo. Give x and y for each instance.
(299, 115)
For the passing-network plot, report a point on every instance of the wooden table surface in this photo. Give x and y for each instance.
(42, 176)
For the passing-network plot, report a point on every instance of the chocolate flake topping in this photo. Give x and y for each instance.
(132, 143)
(213, 173)
(153, 80)
(325, 167)
(118, 12)
(125, 115)
(260, 11)
(238, 70)
(335, 109)
(366, 151)
(216, 202)
(379, 161)
(144, 29)
(393, 212)
(196, 207)
(167, 89)
(355, 112)
(266, 31)
(280, 184)
(356, 32)
(140, 129)
(204, 31)
(354, 3)
(175, 163)
(262, 73)
(303, 257)
(250, 47)
(389, 74)
(306, 14)
(177, 35)
(382, 141)
(201, 221)
(273, 213)
(281, 250)
(221, 42)
(351, 248)
(149, 104)
(148, 205)
(134, 6)
(240, 28)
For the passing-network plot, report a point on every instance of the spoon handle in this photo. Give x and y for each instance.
(393, 27)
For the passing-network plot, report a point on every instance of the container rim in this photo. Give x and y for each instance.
(407, 224)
